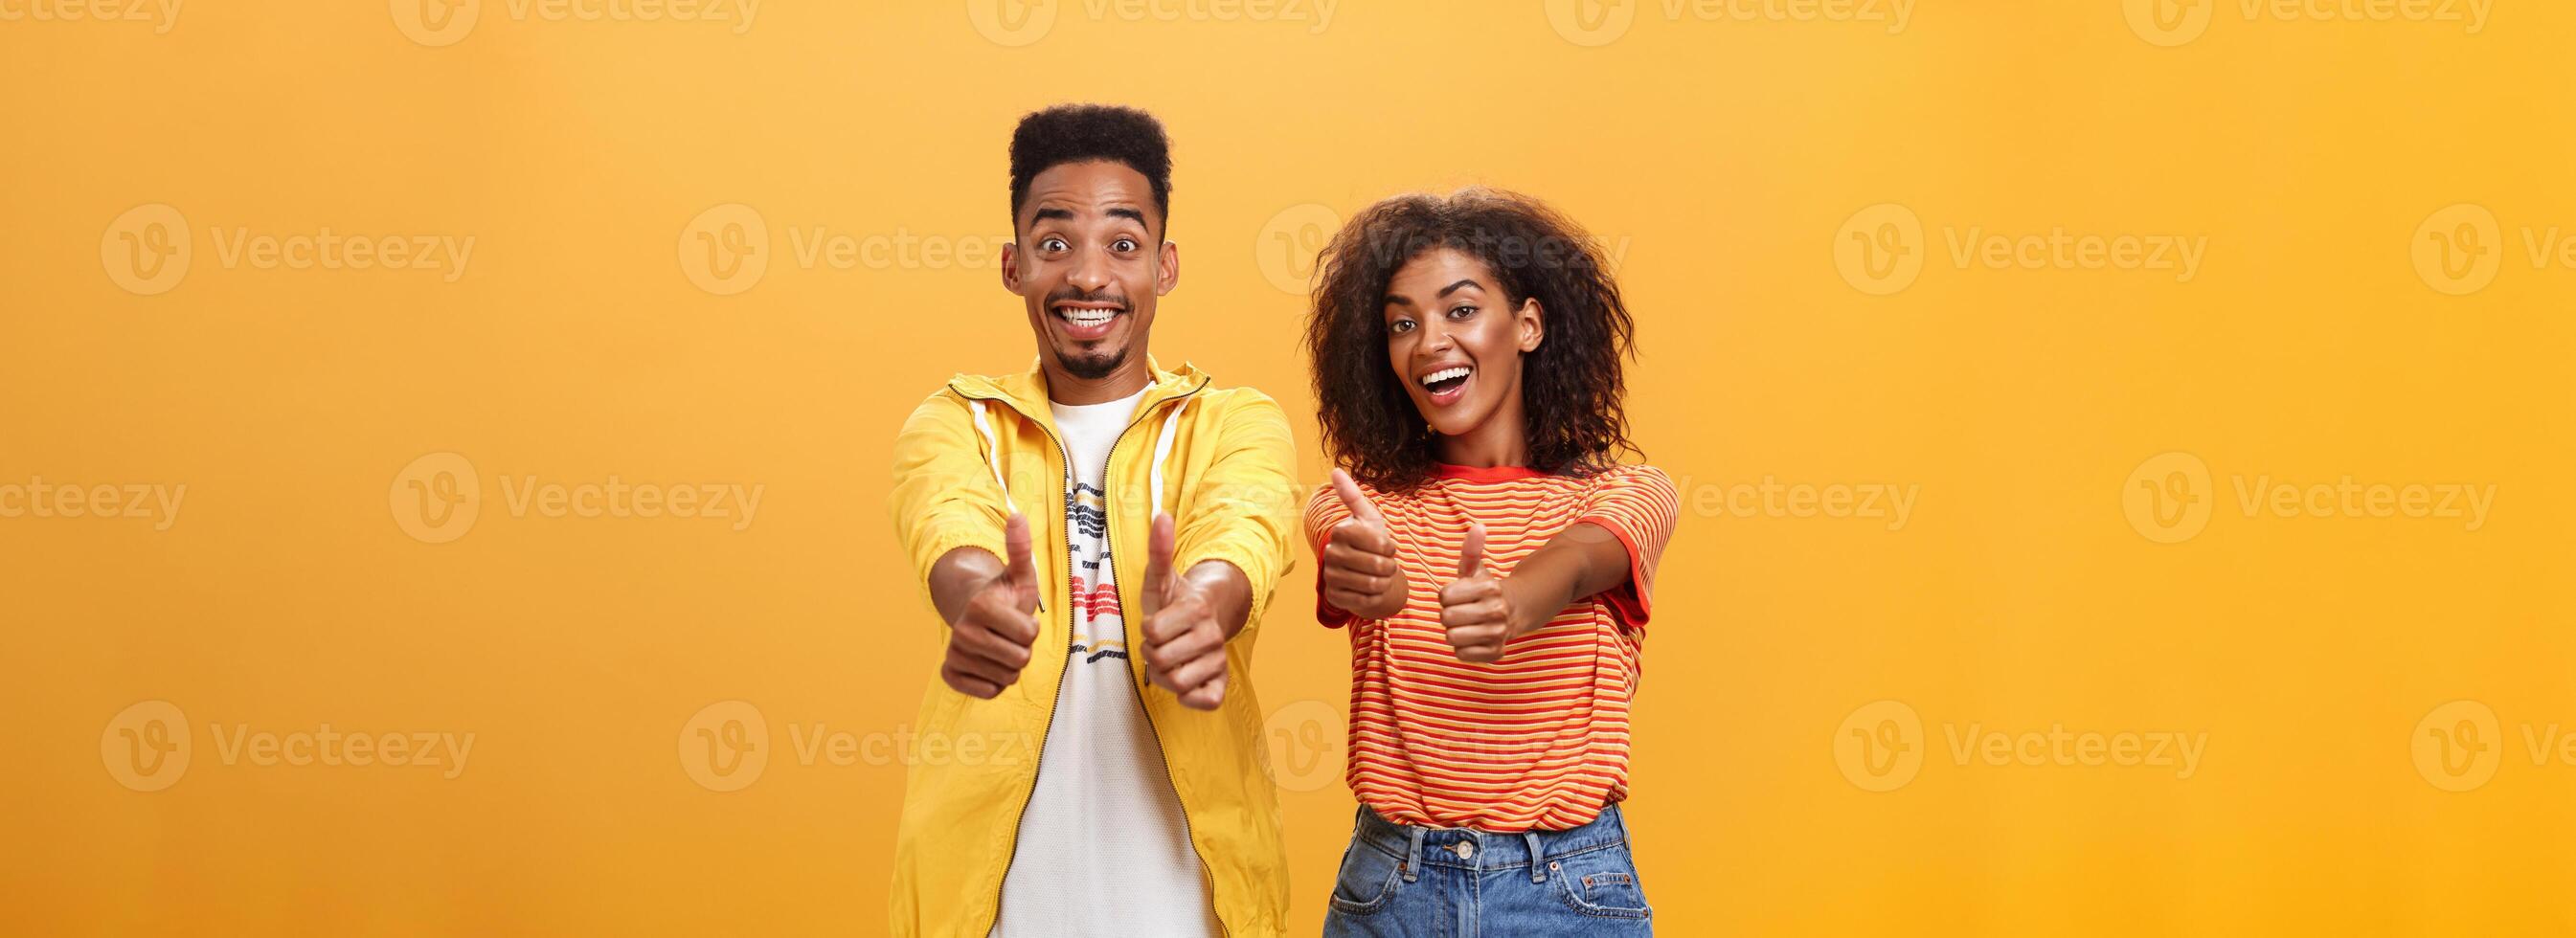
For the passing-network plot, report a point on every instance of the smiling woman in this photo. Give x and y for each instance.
(1550, 298)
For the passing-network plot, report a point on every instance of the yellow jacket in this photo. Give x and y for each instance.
(1222, 463)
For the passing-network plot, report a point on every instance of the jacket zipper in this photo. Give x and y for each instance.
(1064, 458)
(1207, 875)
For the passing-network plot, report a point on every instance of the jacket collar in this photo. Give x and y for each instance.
(1026, 391)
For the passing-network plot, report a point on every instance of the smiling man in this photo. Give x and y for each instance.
(1111, 688)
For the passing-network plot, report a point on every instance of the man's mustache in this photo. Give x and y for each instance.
(1077, 296)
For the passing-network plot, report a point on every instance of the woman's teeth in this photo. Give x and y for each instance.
(1445, 374)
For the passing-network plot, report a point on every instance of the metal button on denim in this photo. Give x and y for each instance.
(1466, 850)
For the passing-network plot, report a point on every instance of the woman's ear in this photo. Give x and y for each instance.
(1532, 326)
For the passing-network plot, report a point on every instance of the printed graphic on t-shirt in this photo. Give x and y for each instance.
(1099, 632)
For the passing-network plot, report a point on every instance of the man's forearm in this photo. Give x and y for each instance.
(1227, 590)
(956, 576)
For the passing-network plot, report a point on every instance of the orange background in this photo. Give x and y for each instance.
(2035, 583)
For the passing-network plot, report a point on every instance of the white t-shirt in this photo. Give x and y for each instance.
(1103, 849)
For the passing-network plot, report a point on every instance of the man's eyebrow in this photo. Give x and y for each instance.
(1128, 213)
(1054, 214)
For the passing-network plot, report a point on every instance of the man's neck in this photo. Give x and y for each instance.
(1119, 384)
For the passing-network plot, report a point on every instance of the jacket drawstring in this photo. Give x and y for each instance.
(1163, 451)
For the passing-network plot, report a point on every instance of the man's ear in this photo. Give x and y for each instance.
(1011, 266)
(1532, 326)
(1169, 274)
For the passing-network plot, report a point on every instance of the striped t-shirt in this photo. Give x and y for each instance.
(1540, 738)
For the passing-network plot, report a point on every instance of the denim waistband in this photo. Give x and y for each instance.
(1466, 848)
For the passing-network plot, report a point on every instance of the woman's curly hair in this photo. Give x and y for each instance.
(1570, 387)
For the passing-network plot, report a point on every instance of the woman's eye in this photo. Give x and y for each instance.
(1400, 326)
(1461, 312)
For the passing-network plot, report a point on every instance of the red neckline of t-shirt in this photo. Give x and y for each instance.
(1486, 473)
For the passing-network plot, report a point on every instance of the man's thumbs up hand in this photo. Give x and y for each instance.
(1184, 643)
(989, 643)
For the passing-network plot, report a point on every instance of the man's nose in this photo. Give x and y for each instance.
(1090, 272)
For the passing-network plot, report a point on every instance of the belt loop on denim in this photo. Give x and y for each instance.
(1537, 856)
(1412, 866)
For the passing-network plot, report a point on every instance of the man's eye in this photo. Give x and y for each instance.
(1125, 244)
(1051, 244)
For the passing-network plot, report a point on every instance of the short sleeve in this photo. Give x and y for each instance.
(1323, 511)
(1638, 505)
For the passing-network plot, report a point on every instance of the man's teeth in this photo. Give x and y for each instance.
(1088, 317)
(1444, 375)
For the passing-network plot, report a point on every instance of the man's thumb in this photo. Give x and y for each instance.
(1022, 570)
(1158, 554)
(1471, 558)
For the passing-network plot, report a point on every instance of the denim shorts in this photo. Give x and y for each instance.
(1463, 883)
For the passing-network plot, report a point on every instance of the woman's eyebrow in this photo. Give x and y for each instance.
(1453, 288)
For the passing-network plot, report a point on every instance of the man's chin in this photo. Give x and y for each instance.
(1092, 365)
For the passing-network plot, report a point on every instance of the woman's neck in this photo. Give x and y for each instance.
(1502, 440)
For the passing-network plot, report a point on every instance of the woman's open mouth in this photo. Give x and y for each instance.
(1447, 385)
(1085, 322)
